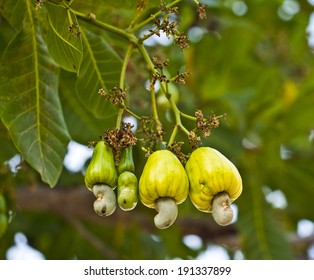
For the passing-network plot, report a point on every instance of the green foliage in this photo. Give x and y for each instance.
(268, 241)
(32, 110)
(100, 68)
(78, 118)
(15, 12)
(63, 40)
(256, 68)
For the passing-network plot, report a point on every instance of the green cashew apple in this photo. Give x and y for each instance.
(126, 161)
(101, 178)
(127, 191)
(3, 216)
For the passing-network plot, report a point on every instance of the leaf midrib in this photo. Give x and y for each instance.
(93, 60)
(59, 36)
(35, 53)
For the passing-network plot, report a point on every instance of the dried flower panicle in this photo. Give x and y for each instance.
(181, 40)
(159, 75)
(200, 120)
(122, 137)
(180, 78)
(116, 95)
(206, 125)
(194, 140)
(128, 139)
(168, 10)
(39, 4)
(176, 148)
(152, 135)
(165, 25)
(119, 139)
(160, 64)
(202, 11)
(203, 124)
(168, 26)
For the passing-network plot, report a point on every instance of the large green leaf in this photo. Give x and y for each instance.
(100, 69)
(7, 149)
(6, 35)
(30, 106)
(83, 126)
(117, 12)
(14, 11)
(65, 47)
(263, 236)
(297, 183)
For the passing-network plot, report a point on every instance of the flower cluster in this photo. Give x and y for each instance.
(39, 3)
(203, 124)
(176, 148)
(160, 64)
(74, 29)
(206, 125)
(194, 139)
(169, 27)
(180, 78)
(115, 96)
(202, 11)
(120, 138)
(152, 135)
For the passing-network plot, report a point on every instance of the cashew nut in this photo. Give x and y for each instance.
(221, 208)
(167, 212)
(105, 203)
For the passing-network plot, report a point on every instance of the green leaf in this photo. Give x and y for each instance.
(83, 126)
(65, 47)
(115, 12)
(100, 69)
(297, 183)
(7, 148)
(6, 35)
(172, 240)
(14, 12)
(263, 236)
(29, 102)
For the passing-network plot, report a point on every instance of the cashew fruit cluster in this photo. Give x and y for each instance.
(3, 216)
(209, 179)
(102, 177)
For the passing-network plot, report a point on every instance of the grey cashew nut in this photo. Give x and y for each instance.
(105, 203)
(167, 212)
(221, 209)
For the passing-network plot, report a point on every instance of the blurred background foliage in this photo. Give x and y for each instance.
(250, 60)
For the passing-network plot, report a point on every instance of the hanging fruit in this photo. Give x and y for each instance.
(101, 178)
(162, 185)
(127, 191)
(126, 162)
(214, 183)
(3, 216)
